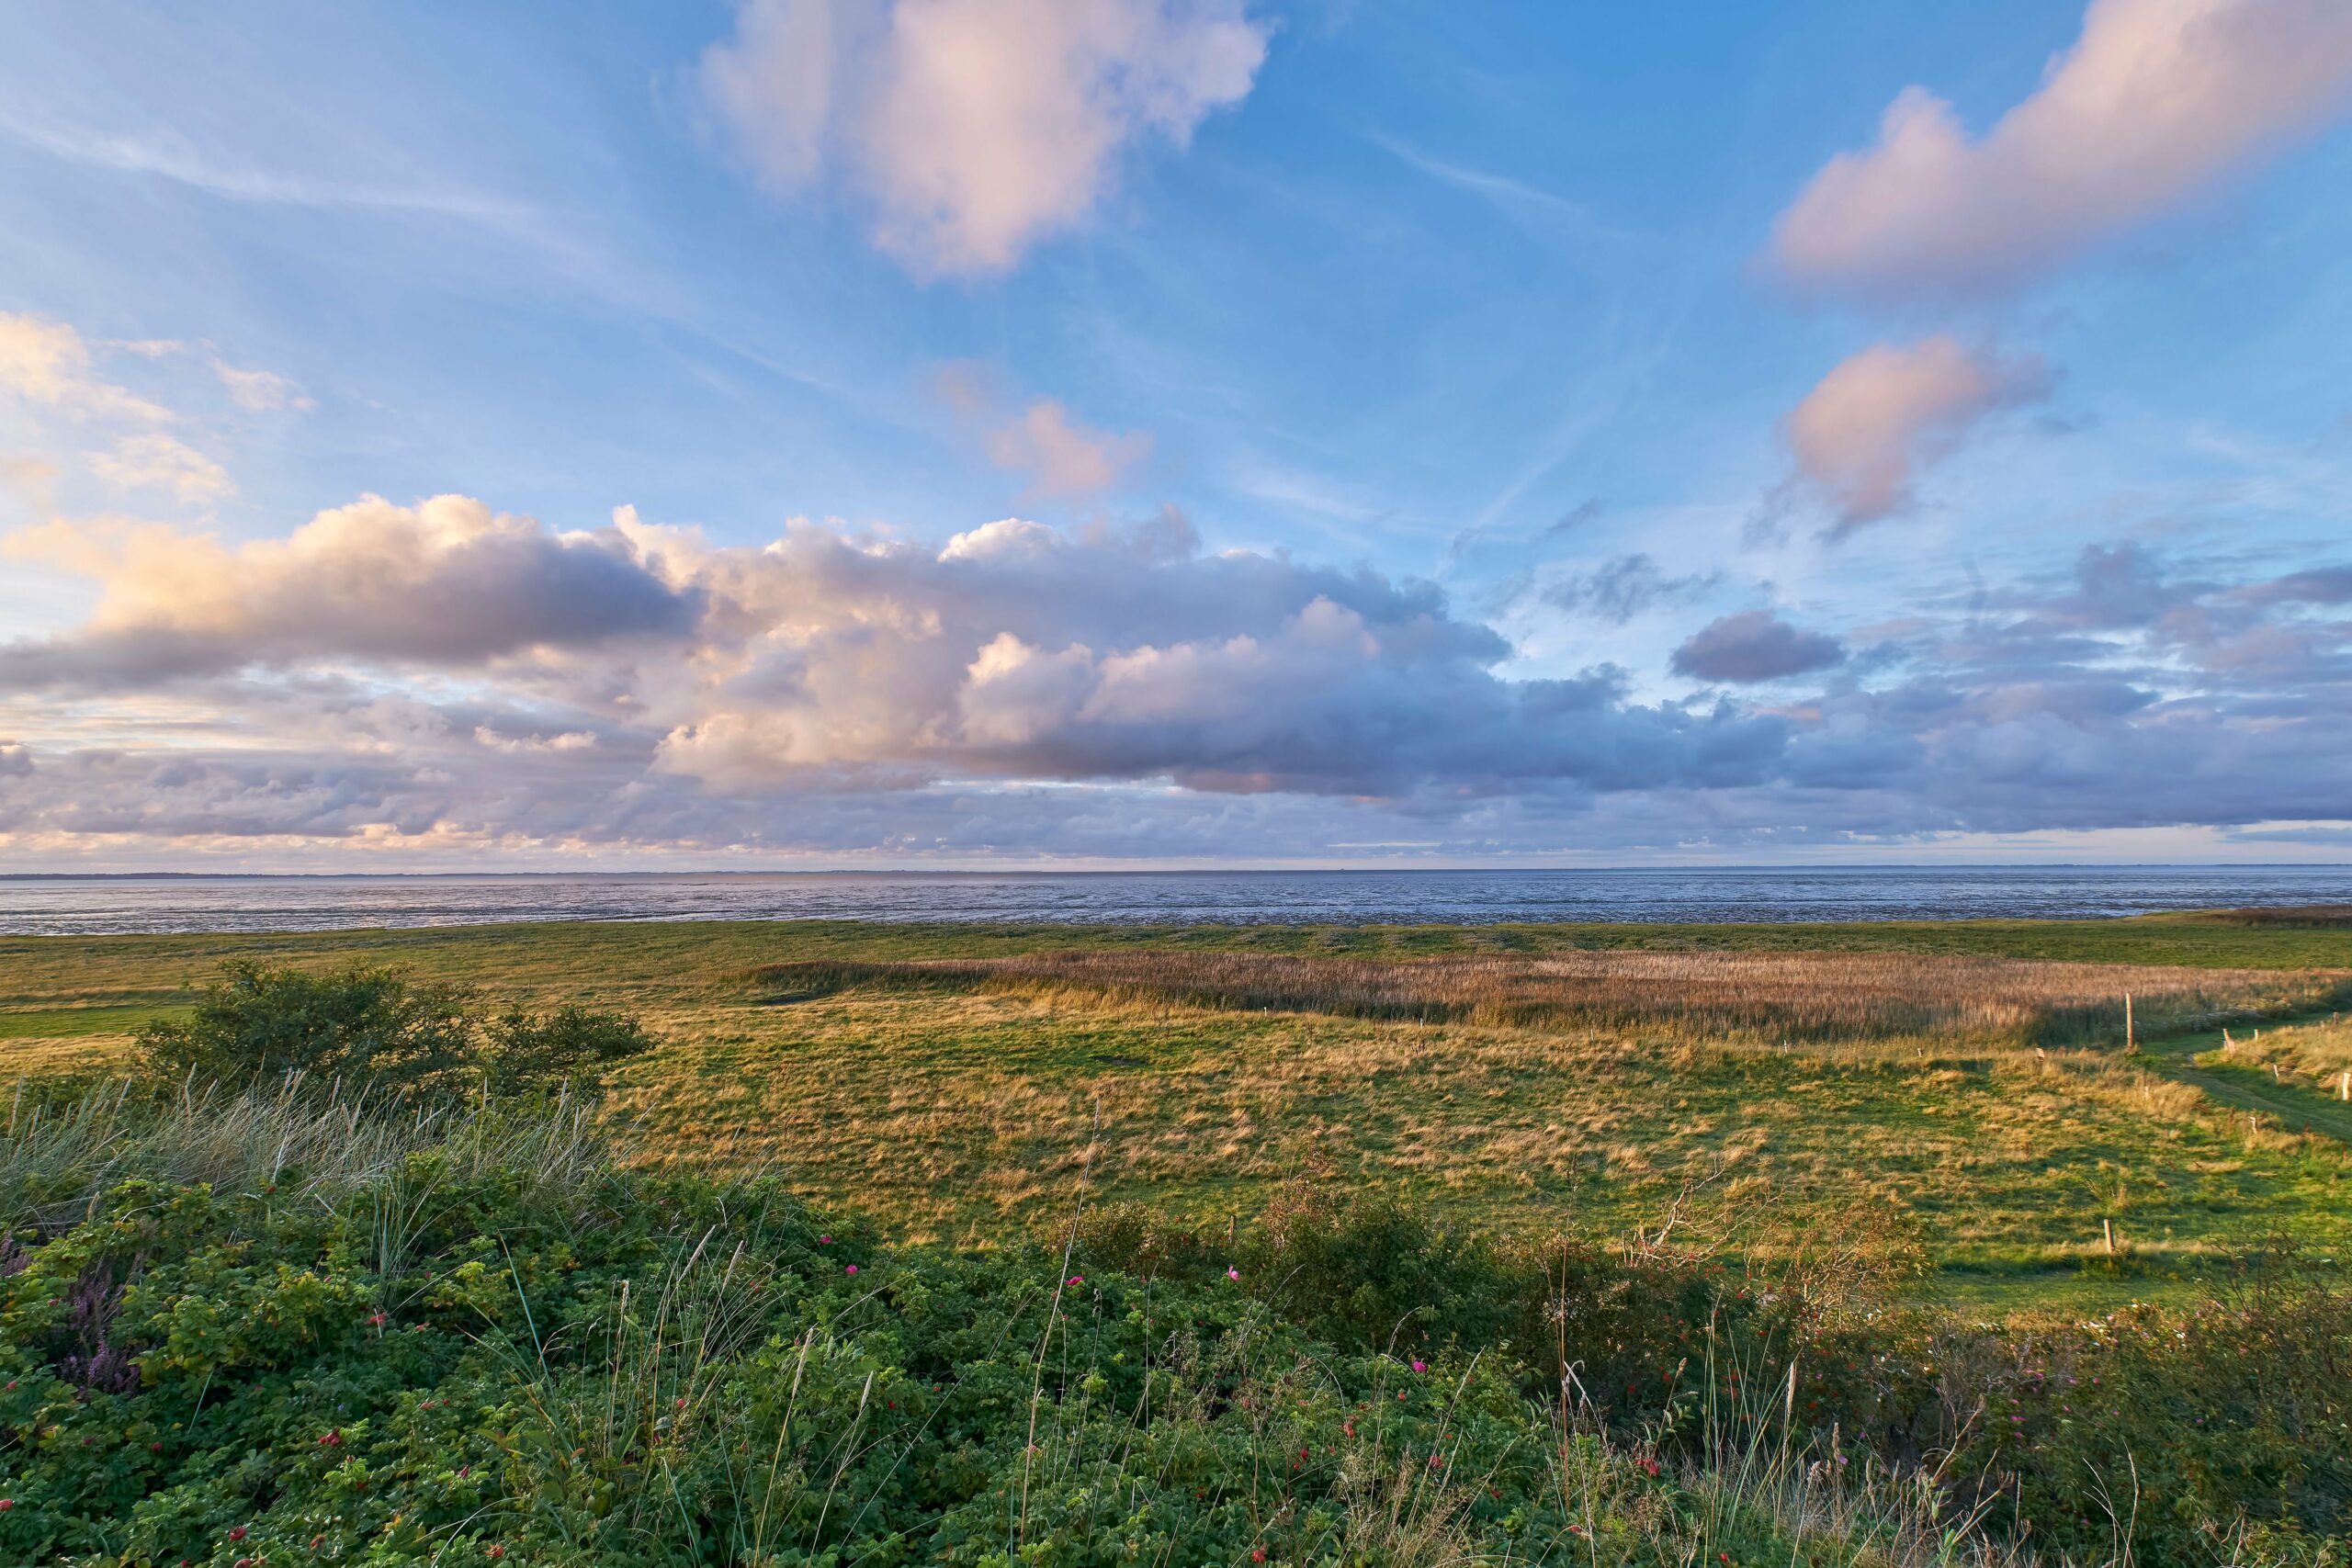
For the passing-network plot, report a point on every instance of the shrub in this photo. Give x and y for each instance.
(375, 1027)
(475, 1342)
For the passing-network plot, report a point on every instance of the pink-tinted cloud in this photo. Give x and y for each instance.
(2158, 101)
(1061, 456)
(973, 128)
(1864, 435)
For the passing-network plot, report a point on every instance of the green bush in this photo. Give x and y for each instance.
(2191, 1422)
(375, 1027)
(467, 1336)
(459, 1364)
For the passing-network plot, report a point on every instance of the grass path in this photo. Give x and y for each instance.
(2289, 1107)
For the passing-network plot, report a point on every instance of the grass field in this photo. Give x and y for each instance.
(1954, 1097)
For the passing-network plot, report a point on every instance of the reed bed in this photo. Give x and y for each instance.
(1786, 998)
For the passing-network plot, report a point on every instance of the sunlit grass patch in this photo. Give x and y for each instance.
(1848, 998)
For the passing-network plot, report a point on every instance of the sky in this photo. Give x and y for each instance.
(775, 434)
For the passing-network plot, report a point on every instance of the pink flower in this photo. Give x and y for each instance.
(852, 1268)
(1420, 1366)
(824, 1241)
(1232, 1273)
(1074, 1280)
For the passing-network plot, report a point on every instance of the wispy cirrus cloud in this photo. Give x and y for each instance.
(155, 461)
(261, 392)
(169, 153)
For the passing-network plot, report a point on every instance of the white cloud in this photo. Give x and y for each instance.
(262, 391)
(156, 461)
(1863, 434)
(47, 364)
(2156, 102)
(975, 128)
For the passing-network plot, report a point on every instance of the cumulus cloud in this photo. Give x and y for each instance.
(1863, 436)
(445, 582)
(1755, 644)
(155, 461)
(823, 660)
(974, 127)
(2157, 101)
(442, 678)
(46, 363)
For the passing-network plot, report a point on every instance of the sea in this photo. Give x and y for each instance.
(93, 904)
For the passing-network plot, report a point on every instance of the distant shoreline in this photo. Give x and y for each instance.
(1729, 868)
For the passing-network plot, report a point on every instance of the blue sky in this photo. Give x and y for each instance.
(1445, 432)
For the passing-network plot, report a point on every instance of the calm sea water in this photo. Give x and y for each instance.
(68, 905)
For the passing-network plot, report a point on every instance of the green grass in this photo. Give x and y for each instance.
(963, 1113)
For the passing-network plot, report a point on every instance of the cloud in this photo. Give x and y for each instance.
(822, 660)
(446, 582)
(156, 461)
(1623, 586)
(1875, 422)
(2321, 585)
(169, 153)
(975, 128)
(47, 364)
(1755, 644)
(1064, 456)
(261, 392)
(446, 679)
(32, 477)
(1061, 457)
(2157, 101)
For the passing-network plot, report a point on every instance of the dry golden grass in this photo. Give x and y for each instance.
(2317, 1057)
(1879, 999)
(964, 1113)
(946, 1081)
